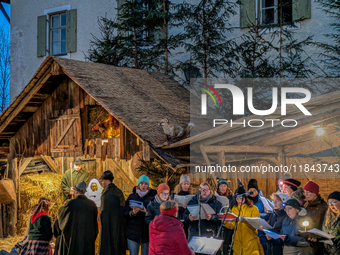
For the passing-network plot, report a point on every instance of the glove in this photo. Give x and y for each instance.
(241, 218)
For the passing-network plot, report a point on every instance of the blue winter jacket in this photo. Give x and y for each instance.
(291, 227)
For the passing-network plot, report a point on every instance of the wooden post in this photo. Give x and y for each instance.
(13, 207)
(62, 165)
(1, 225)
(99, 167)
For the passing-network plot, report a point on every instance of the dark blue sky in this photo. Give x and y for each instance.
(3, 20)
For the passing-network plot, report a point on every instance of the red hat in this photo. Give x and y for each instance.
(312, 187)
(161, 187)
(170, 212)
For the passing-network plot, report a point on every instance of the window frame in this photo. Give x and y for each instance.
(276, 14)
(49, 13)
(59, 28)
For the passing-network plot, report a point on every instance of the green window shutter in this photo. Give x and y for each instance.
(119, 4)
(71, 30)
(247, 13)
(301, 9)
(41, 36)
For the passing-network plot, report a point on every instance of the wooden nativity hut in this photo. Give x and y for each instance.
(109, 116)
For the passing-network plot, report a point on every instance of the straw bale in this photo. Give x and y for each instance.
(34, 186)
(8, 243)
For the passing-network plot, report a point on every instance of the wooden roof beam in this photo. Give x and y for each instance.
(26, 99)
(243, 149)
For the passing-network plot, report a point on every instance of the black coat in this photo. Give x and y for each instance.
(152, 211)
(79, 226)
(275, 246)
(136, 228)
(112, 238)
(213, 223)
(57, 235)
(181, 209)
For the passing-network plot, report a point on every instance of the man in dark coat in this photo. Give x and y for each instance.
(211, 222)
(78, 223)
(112, 238)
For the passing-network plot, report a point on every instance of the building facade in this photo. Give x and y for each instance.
(65, 27)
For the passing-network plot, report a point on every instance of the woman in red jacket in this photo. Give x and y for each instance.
(166, 233)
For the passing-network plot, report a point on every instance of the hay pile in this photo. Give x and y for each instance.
(8, 243)
(34, 186)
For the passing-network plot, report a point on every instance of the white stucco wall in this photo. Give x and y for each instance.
(24, 60)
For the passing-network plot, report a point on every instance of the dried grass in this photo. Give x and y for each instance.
(34, 186)
(8, 243)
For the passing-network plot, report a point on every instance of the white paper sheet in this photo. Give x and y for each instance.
(224, 200)
(204, 245)
(267, 204)
(183, 200)
(257, 222)
(205, 209)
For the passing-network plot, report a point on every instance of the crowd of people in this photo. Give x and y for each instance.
(151, 222)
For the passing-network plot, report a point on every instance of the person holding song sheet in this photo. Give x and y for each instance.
(163, 194)
(316, 206)
(183, 189)
(293, 241)
(246, 241)
(275, 246)
(209, 223)
(137, 231)
(331, 224)
(223, 190)
(167, 234)
(255, 198)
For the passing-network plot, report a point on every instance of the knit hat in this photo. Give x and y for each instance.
(184, 178)
(253, 184)
(334, 195)
(240, 191)
(293, 184)
(284, 197)
(143, 178)
(161, 187)
(222, 181)
(170, 212)
(312, 187)
(107, 175)
(293, 202)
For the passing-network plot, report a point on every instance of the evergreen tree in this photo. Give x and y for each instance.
(108, 49)
(206, 25)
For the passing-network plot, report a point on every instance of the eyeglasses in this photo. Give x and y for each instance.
(165, 194)
(205, 190)
(332, 203)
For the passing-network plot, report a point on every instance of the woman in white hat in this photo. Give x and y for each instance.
(275, 246)
(183, 189)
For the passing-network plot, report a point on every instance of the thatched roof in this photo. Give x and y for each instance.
(139, 99)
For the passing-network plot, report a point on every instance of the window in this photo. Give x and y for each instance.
(276, 11)
(58, 34)
(146, 35)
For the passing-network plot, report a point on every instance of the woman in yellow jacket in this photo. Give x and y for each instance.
(246, 239)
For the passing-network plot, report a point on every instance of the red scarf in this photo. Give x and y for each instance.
(36, 216)
(170, 212)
